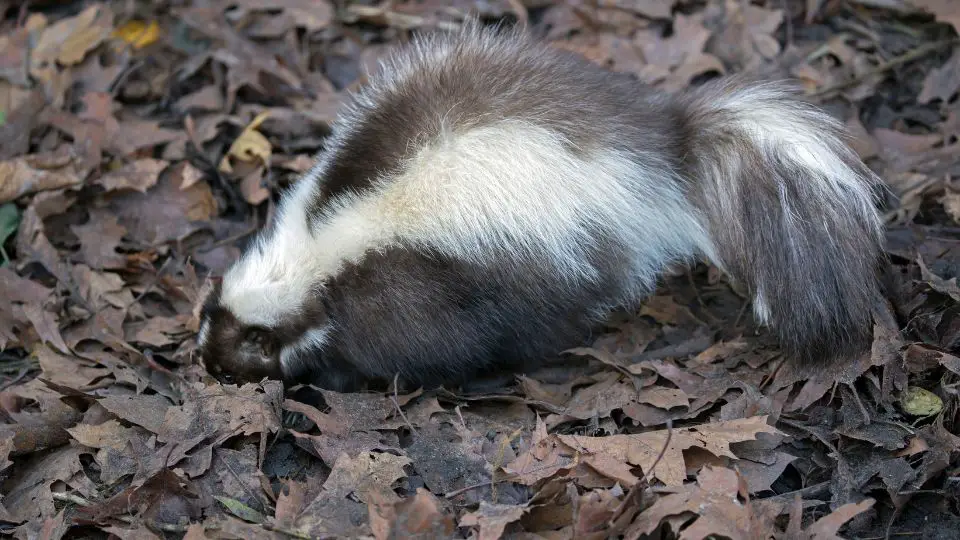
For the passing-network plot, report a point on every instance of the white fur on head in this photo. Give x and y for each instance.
(311, 340)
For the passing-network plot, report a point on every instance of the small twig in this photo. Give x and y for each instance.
(461, 491)
(908, 56)
(666, 444)
(892, 534)
(896, 514)
(637, 490)
(860, 405)
(808, 491)
(125, 74)
(743, 311)
(396, 403)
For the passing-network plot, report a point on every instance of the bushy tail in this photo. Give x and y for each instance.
(790, 210)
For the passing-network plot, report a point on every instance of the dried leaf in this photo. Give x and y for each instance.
(67, 41)
(240, 510)
(417, 517)
(945, 10)
(713, 499)
(920, 402)
(249, 146)
(492, 519)
(33, 173)
(139, 175)
(608, 454)
(99, 239)
(826, 528)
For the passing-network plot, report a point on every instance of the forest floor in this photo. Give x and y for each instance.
(141, 143)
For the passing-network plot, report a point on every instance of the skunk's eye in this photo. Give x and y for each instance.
(261, 339)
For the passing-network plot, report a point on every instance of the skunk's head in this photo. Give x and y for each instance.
(239, 346)
(232, 351)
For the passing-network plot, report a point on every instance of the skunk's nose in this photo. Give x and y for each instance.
(221, 376)
(225, 378)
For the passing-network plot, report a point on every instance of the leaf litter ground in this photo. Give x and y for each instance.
(142, 143)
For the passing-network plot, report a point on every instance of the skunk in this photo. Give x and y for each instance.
(486, 199)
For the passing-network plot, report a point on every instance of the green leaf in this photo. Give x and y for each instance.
(240, 510)
(9, 221)
(3, 117)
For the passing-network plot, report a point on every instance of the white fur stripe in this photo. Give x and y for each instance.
(311, 341)
(509, 189)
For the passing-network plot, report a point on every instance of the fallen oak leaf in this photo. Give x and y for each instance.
(129, 135)
(364, 412)
(417, 517)
(15, 289)
(68, 370)
(612, 391)
(945, 286)
(941, 83)
(99, 239)
(663, 397)
(608, 454)
(945, 10)
(68, 40)
(951, 362)
(761, 476)
(37, 172)
(110, 434)
(218, 412)
(166, 212)
(28, 495)
(366, 474)
(46, 327)
(15, 61)
(334, 510)
(826, 528)
(159, 331)
(324, 422)
(34, 432)
(492, 519)
(714, 500)
(139, 175)
(290, 503)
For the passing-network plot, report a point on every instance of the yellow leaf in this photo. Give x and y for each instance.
(249, 146)
(139, 34)
(917, 401)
